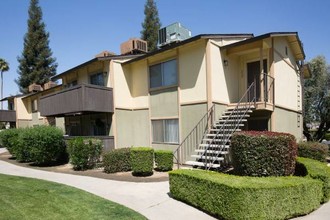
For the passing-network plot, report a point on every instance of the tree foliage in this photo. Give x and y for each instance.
(151, 25)
(36, 64)
(317, 99)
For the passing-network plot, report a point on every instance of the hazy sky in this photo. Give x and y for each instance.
(79, 29)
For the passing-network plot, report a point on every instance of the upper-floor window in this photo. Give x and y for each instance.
(11, 106)
(34, 105)
(97, 79)
(163, 74)
(71, 84)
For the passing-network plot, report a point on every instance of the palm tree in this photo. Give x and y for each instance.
(4, 66)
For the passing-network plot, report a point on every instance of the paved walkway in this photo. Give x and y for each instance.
(149, 199)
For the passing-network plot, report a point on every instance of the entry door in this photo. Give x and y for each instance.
(253, 71)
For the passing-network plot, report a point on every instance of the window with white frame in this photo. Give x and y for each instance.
(97, 79)
(163, 74)
(165, 131)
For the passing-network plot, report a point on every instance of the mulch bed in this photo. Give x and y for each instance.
(97, 172)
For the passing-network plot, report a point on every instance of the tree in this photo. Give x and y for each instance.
(151, 25)
(317, 99)
(36, 64)
(4, 67)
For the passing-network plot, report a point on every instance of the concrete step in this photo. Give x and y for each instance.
(212, 145)
(227, 125)
(212, 152)
(230, 120)
(238, 111)
(234, 116)
(201, 164)
(209, 158)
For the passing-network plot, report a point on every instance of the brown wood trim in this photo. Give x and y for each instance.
(165, 117)
(131, 109)
(221, 103)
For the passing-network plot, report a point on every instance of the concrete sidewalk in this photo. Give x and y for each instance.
(149, 199)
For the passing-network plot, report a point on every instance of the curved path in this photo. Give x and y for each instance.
(149, 199)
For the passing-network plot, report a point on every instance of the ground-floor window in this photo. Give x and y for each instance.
(88, 125)
(165, 131)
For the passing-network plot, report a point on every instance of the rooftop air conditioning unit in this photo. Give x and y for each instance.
(104, 53)
(49, 85)
(173, 33)
(35, 88)
(134, 46)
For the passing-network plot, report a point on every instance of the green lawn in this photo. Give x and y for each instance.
(26, 198)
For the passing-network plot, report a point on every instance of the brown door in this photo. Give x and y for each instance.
(253, 71)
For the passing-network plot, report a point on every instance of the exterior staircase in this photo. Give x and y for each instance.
(213, 151)
(207, 145)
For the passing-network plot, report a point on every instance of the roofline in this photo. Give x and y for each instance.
(189, 40)
(264, 36)
(10, 97)
(92, 61)
(35, 93)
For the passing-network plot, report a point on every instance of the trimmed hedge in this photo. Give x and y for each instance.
(327, 136)
(8, 138)
(84, 153)
(142, 161)
(117, 160)
(316, 170)
(313, 150)
(45, 144)
(164, 160)
(263, 153)
(236, 197)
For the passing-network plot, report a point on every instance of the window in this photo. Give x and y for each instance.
(165, 131)
(97, 79)
(163, 74)
(34, 105)
(11, 106)
(71, 84)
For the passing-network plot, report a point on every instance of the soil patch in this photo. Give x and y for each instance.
(97, 172)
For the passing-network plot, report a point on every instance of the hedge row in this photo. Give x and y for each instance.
(84, 153)
(138, 159)
(316, 170)
(263, 153)
(313, 150)
(237, 197)
(41, 144)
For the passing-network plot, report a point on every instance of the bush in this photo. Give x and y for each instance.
(163, 160)
(313, 150)
(142, 161)
(84, 153)
(256, 153)
(316, 170)
(236, 197)
(7, 139)
(117, 160)
(45, 144)
(327, 136)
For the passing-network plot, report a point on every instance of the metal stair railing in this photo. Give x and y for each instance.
(230, 125)
(194, 138)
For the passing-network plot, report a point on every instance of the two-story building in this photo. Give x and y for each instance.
(156, 99)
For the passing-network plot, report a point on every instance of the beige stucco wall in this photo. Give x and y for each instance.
(133, 128)
(190, 116)
(60, 123)
(164, 103)
(289, 122)
(139, 84)
(287, 81)
(122, 85)
(22, 109)
(192, 73)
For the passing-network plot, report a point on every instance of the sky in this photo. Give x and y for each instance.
(80, 29)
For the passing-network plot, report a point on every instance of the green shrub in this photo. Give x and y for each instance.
(45, 144)
(237, 197)
(117, 160)
(313, 150)
(84, 153)
(8, 138)
(256, 153)
(164, 160)
(327, 136)
(317, 170)
(142, 161)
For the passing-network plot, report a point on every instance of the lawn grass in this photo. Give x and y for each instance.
(26, 198)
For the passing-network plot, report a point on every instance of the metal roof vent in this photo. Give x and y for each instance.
(173, 33)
